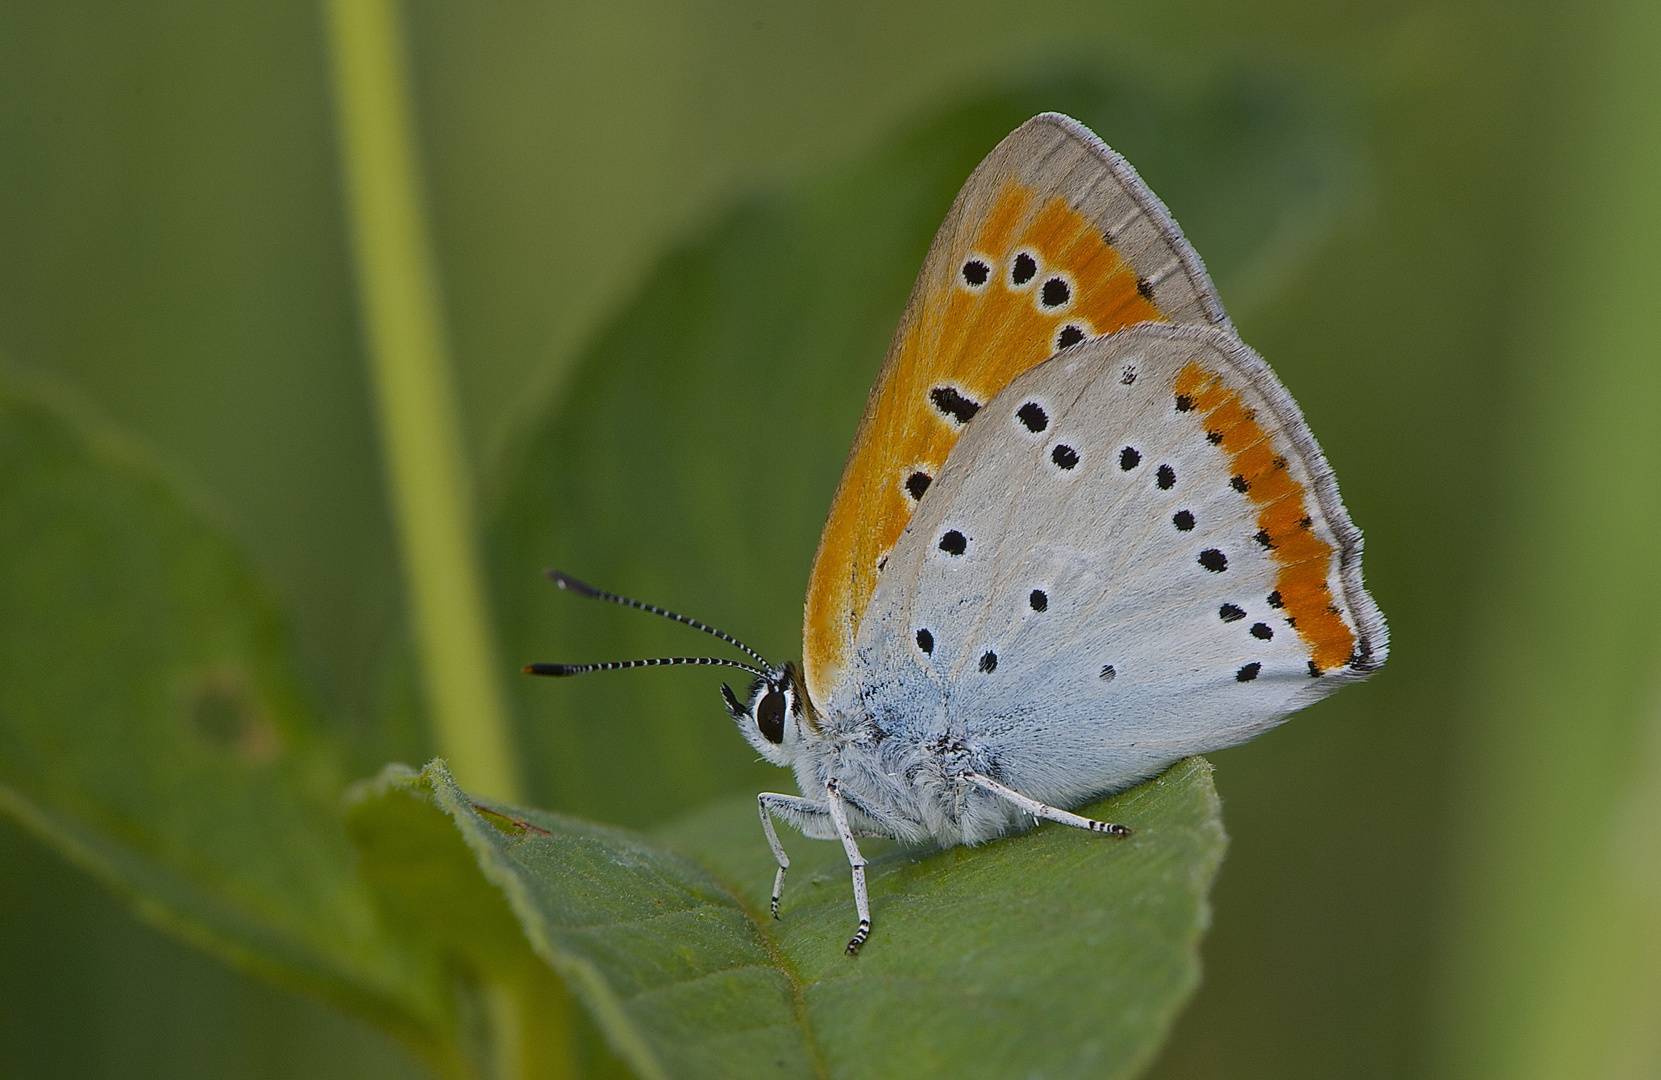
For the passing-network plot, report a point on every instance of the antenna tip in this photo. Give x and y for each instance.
(547, 669)
(566, 581)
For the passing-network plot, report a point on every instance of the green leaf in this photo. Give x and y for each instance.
(430, 888)
(152, 728)
(1055, 954)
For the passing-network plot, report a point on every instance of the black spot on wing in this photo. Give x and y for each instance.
(1183, 520)
(953, 404)
(1166, 478)
(1249, 672)
(917, 483)
(1231, 613)
(975, 273)
(1038, 600)
(1064, 456)
(953, 542)
(1070, 335)
(1262, 632)
(1214, 560)
(925, 641)
(1023, 269)
(1033, 417)
(989, 661)
(1055, 293)
(1129, 458)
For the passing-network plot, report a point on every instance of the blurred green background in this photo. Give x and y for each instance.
(1438, 221)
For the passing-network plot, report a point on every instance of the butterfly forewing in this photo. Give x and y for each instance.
(1164, 569)
(1052, 240)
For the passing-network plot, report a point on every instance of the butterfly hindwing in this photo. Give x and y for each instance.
(1053, 239)
(1165, 568)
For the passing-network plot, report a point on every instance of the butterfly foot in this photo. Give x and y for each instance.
(1110, 829)
(859, 937)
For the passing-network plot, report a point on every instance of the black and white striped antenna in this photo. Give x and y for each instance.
(571, 584)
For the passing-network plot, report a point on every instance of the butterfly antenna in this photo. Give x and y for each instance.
(621, 665)
(571, 584)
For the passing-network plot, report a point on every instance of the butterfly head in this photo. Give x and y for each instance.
(776, 716)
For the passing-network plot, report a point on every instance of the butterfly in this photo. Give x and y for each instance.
(1083, 533)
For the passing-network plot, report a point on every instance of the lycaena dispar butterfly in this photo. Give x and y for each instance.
(1083, 533)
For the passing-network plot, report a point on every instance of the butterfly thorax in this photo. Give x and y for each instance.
(902, 776)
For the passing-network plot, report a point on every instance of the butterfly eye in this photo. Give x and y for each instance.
(770, 716)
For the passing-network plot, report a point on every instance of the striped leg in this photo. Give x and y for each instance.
(793, 810)
(1043, 810)
(856, 861)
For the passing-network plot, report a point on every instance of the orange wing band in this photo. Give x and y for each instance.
(1283, 517)
(972, 340)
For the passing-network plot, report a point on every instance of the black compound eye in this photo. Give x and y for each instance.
(770, 716)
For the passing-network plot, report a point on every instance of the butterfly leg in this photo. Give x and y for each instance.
(1044, 810)
(856, 861)
(794, 810)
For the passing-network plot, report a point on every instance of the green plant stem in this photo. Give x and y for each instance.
(420, 431)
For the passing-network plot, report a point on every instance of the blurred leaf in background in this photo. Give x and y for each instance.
(154, 731)
(1447, 259)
